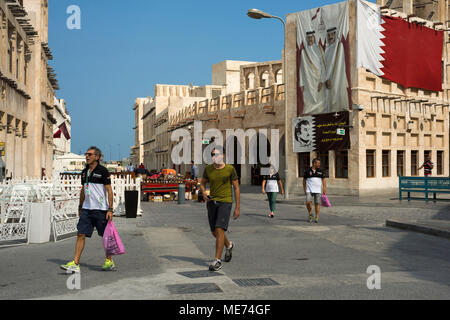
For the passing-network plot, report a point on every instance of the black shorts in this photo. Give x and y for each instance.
(90, 219)
(219, 214)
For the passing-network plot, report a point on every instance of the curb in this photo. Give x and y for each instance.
(418, 228)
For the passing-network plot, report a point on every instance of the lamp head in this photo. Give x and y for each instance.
(258, 14)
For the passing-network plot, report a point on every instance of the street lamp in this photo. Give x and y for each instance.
(258, 14)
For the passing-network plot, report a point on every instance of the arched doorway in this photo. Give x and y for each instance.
(250, 81)
(279, 76)
(235, 157)
(264, 80)
(262, 158)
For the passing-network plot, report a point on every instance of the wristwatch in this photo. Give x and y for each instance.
(111, 210)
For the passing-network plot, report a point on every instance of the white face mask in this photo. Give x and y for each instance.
(218, 160)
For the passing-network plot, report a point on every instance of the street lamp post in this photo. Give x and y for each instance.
(258, 14)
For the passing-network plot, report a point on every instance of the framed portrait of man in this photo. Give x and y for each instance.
(304, 134)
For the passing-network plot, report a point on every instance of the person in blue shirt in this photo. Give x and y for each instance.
(194, 171)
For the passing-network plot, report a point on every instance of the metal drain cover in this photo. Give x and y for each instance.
(199, 274)
(262, 282)
(193, 288)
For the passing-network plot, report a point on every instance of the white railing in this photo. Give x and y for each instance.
(64, 218)
(14, 223)
(63, 193)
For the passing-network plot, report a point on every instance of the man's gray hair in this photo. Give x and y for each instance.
(97, 151)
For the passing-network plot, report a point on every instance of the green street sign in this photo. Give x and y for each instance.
(340, 132)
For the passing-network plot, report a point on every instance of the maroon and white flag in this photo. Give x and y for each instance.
(62, 129)
(406, 53)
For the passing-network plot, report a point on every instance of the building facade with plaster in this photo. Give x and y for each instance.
(28, 87)
(392, 129)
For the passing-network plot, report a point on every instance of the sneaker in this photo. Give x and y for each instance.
(109, 265)
(310, 218)
(316, 220)
(216, 265)
(71, 267)
(228, 252)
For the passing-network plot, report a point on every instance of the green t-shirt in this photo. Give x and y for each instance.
(220, 182)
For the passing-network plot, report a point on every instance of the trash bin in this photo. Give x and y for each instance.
(200, 196)
(181, 193)
(131, 204)
(40, 222)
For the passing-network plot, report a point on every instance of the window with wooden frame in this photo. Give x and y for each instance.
(414, 159)
(324, 163)
(439, 163)
(341, 164)
(370, 163)
(386, 163)
(304, 160)
(400, 163)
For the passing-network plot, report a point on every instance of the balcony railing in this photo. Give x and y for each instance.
(209, 108)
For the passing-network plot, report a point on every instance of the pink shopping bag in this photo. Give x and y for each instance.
(111, 241)
(325, 201)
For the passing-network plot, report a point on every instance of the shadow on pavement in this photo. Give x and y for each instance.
(91, 267)
(425, 256)
(443, 214)
(296, 220)
(196, 261)
(255, 215)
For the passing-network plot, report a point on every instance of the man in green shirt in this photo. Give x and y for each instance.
(221, 177)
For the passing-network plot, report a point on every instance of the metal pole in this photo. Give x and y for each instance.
(286, 141)
(258, 14)
(286, 171)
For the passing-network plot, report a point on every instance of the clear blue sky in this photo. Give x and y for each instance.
(125, 47)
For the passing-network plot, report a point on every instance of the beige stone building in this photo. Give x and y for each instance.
(137, 151)
(392, 134)
(28, 87)
(167, 101)
(258, 104)
(228, 74)
(397, 127)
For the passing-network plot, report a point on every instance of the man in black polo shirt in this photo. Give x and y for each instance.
(314, 184)
(96, 200)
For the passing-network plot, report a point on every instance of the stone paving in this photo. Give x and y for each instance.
(285, 258)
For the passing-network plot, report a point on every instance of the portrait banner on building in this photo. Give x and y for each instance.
(323, 60)
(321, 132)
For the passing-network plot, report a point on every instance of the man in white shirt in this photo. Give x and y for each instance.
(314, 184)
(95, 209)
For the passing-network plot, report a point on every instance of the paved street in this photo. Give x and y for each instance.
(170, 247)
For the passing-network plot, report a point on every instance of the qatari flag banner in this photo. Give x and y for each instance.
(323, 60)
(406, 53)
